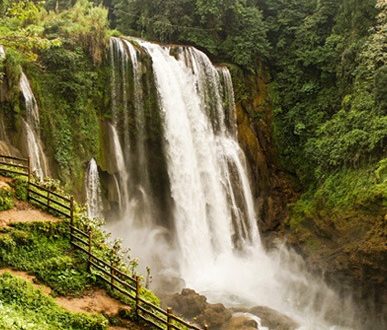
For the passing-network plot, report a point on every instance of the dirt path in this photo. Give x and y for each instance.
(24, 212)
(5, 179)
(94, 301)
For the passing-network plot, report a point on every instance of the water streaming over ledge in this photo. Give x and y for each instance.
(93, 191)
(209, 235)
(31, 127)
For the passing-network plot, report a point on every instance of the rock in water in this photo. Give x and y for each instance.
(195, 307)
(240, 322)
(270, 318)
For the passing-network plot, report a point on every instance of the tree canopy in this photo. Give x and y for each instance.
(327, 60)
(229, 29)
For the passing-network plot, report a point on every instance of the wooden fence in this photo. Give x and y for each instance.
(129, 287)
(15, 165)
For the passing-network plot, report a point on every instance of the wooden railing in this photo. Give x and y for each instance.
(15, 165)
(128, 286)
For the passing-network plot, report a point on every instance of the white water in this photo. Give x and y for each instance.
(31, 126)
(93, 191)
(202, 218)
(122, 174)
(229, 100)
(34, 151)
(217, 245)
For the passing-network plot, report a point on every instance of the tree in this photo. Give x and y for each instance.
(21, 28)
(233, 30)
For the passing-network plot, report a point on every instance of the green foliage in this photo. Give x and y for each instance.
(233, 30)
(20, 186)
(83, 25)
(24, 307)
(330, 111)
(71, 95)
(359, 191)
(44, 249)
(6, 199)
(21, 29)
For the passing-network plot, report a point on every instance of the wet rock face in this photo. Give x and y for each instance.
(195, 308)
(272, 188)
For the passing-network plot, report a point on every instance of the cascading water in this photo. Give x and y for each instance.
(93, 191)
(128, 118)
(217, 242)
(121, 177)
(137, 174)
(31, 127)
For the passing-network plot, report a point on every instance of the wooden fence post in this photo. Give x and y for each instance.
(71, 217)
(169, 318)
(112, 273)
(137, 297)
(29, 177)
(89, 249)
(48, 200)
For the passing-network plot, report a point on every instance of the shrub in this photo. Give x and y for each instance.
(6, 199)
(20, 187)
(24, 307)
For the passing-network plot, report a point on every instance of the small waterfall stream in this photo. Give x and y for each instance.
(209, 236)
(121, 177)
(93, 191)
(31, 127)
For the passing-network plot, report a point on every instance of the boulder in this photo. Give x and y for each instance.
(240, 322)
(194, 307)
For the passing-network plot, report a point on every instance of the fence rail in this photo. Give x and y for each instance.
(15, 165)
(116, 279)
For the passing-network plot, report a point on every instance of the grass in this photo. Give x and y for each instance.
(43, 248)
(24, 307)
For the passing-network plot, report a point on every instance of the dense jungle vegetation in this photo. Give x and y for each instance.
(327, 60)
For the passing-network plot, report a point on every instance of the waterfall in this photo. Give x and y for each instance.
(31, 127)
(93, 191)
(211, 233)
(121, 177)
(204, 160)
(131, 123)
(228, 100)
